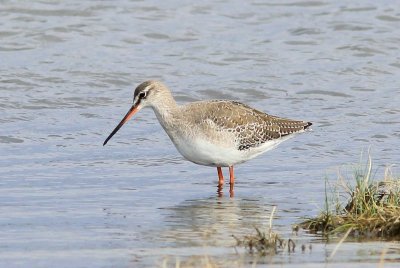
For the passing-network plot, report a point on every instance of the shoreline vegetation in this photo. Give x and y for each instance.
(265, 243)
(357, 206)
(360, 206)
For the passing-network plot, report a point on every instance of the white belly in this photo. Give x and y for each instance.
(204, 152)
(213, 148)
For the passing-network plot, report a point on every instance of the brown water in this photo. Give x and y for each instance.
(67, 73)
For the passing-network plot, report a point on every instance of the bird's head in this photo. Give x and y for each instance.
(147, 94)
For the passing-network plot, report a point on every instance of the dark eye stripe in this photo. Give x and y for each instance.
(142, 95)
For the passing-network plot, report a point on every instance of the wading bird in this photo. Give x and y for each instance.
(216, 133)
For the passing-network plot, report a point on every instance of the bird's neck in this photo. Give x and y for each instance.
(166, 111)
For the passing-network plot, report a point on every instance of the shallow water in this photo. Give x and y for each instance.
(67, 73)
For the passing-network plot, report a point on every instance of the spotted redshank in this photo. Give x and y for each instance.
(217, 133)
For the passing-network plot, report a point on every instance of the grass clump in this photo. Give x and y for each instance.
(265, 243)
(370, 209)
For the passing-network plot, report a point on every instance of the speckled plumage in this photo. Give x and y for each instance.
(251, 128)
(215, 132)
(219, 133)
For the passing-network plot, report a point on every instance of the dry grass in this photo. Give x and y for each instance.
(370, 209)
(265, 243)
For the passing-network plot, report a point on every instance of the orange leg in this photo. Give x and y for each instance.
(220, 176)
(231, 181)
(231, 176)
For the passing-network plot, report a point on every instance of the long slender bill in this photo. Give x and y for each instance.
(128, 116)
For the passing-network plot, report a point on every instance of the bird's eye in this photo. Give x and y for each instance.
(142, 95)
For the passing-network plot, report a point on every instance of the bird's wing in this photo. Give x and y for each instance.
(251, 127)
